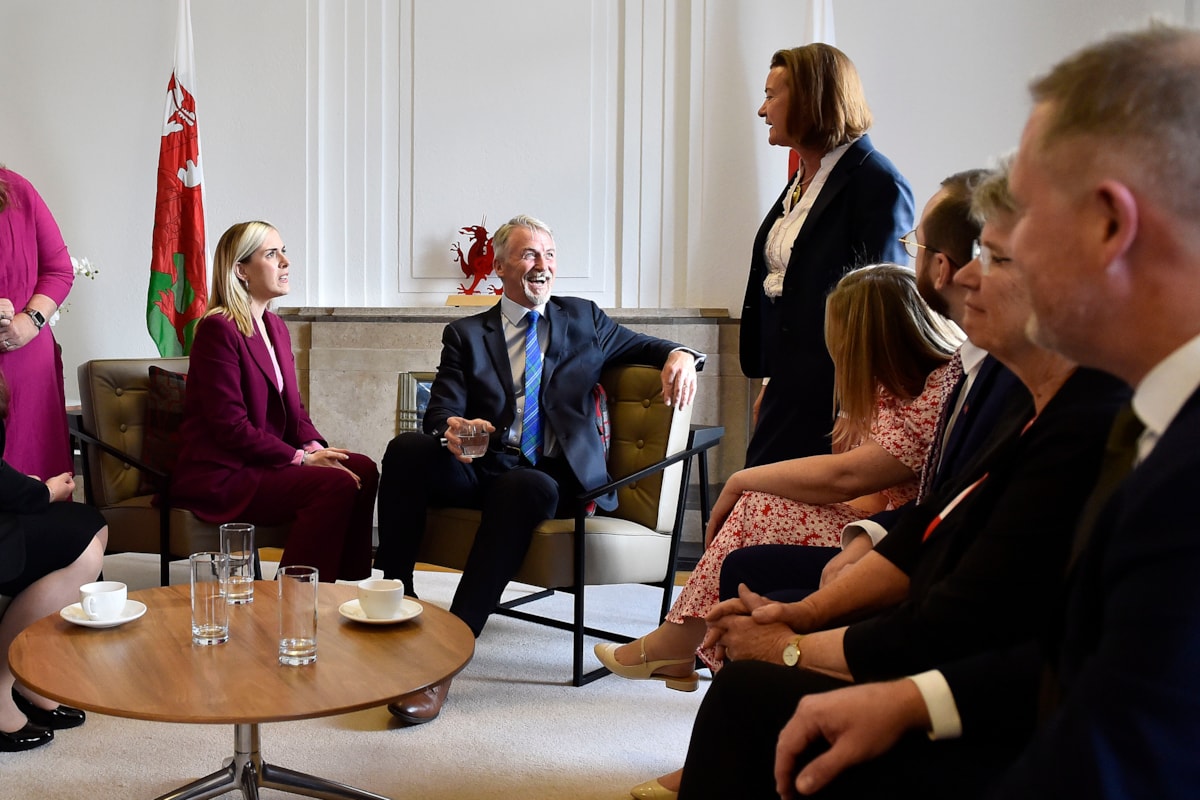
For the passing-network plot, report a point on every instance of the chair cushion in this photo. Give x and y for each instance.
(617, 550)
(164, 417)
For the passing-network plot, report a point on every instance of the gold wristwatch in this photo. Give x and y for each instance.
(791, 652)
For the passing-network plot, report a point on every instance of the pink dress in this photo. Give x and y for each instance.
(34, 260)
(904, 429)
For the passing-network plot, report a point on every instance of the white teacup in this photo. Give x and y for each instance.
(381, 598)
(103, 600)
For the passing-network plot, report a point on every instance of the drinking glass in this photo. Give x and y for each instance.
(297, 615)
(237, 540)
(210, 609)
(474, 440)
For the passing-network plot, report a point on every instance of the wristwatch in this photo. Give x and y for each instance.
(39, 319)
(791, 652)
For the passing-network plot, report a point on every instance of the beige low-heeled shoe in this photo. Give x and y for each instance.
(652, 790)
(607, 653)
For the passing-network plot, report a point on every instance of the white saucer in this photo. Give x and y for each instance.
(408, 610)
(74, 613)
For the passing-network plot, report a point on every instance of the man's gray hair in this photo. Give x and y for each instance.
(501, 237)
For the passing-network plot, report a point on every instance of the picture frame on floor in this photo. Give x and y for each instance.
(414, 399)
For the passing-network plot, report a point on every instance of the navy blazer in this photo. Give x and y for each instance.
(861, 212)
(996, 394)
(1125, 647)
(474, 380)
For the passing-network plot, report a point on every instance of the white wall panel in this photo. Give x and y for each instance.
(507, 118)
(353, 151)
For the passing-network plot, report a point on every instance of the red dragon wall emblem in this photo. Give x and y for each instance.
(476, 263)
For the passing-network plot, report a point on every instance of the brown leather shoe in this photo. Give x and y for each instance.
(420, 707)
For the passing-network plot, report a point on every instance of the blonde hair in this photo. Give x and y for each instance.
(881, 336)
(828, 105)
(992, 197)
(229, 297)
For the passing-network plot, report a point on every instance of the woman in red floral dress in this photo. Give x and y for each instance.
(891, 356)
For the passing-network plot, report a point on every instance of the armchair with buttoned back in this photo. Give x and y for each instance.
(650, 454)
(130, 414)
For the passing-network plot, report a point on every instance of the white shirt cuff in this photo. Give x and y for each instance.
(872, 529)
(696, 354)
(945, 723)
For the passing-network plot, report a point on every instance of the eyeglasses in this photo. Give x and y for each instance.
(982, 253)
(913, 247)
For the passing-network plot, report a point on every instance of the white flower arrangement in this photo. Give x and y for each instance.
(81, 267)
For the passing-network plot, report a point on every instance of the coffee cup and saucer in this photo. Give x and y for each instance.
(381, 601)
(103, 604)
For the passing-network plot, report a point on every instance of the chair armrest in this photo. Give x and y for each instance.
(122, 456)
(705, 442)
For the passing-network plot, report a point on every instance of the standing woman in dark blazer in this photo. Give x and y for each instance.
(846, 206)
(49, 547)
(249, 451)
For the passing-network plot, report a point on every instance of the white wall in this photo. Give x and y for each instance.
(370, 130)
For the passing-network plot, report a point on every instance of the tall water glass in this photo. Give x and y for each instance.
(237, 540)
(297, 615)
(210, 610)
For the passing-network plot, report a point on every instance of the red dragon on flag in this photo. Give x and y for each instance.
(178, 293)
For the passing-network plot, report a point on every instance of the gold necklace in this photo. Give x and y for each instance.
(799, 190)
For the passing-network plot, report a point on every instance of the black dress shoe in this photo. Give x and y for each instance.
(58, 719)
(27, 738)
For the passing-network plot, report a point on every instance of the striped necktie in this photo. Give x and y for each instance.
(956, 378)
(531, 421)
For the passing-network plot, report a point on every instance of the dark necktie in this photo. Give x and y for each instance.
(1120, 453)
(934, 456)
(531, 421)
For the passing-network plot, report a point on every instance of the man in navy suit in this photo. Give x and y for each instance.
(1109, 245)
(536, 463)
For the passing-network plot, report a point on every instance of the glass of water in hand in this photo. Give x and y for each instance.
(474, 439)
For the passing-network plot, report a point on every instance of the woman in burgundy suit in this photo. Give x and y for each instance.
(249, 450)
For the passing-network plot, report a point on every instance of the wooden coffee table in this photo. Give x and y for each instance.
(149, 669)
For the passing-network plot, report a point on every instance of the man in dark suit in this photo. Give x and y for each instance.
(1109, 245)
(541, 454)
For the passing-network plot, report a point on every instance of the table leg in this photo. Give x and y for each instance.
(248, 772)
(214, 785)
(288, 780)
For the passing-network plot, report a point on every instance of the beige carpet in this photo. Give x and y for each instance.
(513, 727)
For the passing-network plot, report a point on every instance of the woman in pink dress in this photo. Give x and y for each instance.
(35, 276)
(891, 358)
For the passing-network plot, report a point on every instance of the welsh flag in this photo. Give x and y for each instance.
(819, 29)
(178, 292)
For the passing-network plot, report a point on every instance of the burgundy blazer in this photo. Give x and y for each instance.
(237, 423)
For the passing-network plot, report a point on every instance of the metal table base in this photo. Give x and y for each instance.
(248, 772)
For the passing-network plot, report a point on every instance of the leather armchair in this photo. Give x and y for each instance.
(113, 408)
(651, 450)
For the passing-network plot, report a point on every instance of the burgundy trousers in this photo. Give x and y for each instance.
(331, 517)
